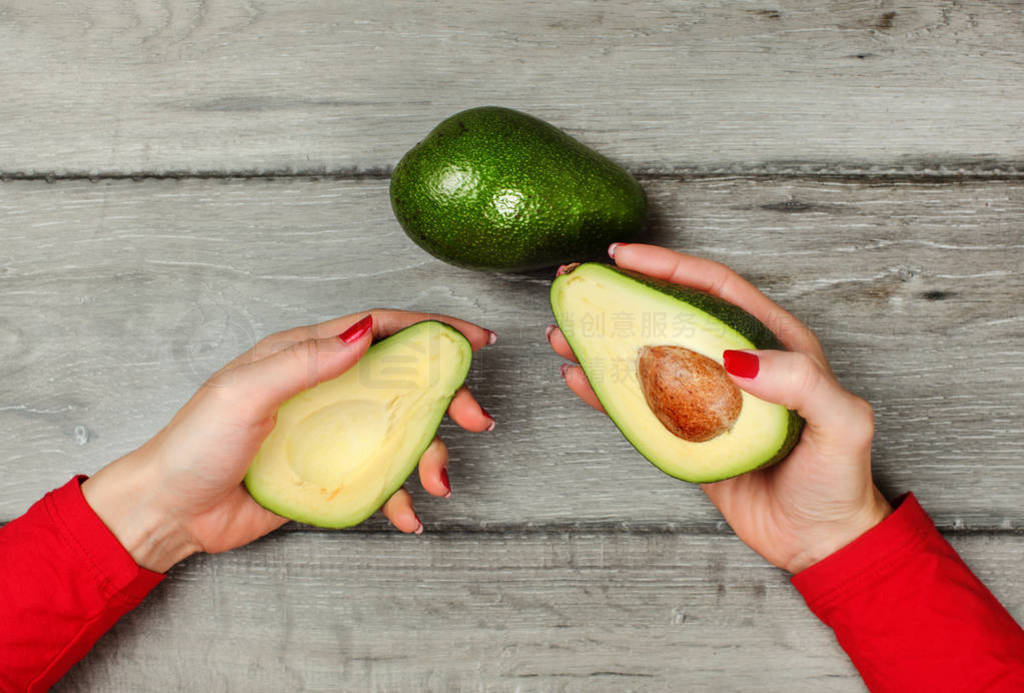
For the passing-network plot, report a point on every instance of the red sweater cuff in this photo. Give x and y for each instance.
(868, 558)
(911, 615)
(66, 580)
(119, 576)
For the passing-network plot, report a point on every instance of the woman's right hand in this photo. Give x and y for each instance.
(182, 491)
(822, 496)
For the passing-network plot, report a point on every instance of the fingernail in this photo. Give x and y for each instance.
(491, 337)
(357, 331)
(742, 364)
(491, 425)
(418, 530)
(446, 483)
(564, 369)
(613, 247)
(548, 330)
(563, 269)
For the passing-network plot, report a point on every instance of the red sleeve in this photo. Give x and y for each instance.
(65, 580)
(911, 615)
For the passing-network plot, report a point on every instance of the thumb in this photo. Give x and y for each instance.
(798, 382)
(259, 388)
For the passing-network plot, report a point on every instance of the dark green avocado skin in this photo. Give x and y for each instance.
(496, 189)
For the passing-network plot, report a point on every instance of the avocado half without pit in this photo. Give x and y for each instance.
(652, 351)
(339, 450)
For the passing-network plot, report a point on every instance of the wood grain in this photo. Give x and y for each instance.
(183, 86)
(181, 177)
(534, 612)
(120, 297)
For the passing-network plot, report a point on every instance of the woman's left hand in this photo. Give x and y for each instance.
(181, 492)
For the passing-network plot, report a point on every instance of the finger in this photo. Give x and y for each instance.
(398, 510)
(257, 389)
(558, 342)
(434, 469)
(467, 412)
(720, 280)
(798, 382)
(385, 323)
(578, 383)
(245, 512)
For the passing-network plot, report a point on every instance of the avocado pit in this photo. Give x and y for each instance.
(690, 394)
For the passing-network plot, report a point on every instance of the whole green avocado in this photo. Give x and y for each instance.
(495, 189)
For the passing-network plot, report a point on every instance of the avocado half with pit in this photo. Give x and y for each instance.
(339, 450)
(652, 351)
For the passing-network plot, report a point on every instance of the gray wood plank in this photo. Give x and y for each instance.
(284, 85)
(534, 612)
(118, 299)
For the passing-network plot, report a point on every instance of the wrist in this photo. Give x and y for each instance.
(829, 537)
(122, 495)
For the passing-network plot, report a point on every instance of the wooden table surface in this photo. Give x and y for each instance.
(181, 177)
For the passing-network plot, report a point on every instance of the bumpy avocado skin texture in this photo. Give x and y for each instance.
(731, 315)
(271, 479)
(495, 189)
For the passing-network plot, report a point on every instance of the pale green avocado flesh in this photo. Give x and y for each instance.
(609, 315)
(339, 450)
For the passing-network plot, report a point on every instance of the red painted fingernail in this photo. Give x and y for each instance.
(742, 364)
(446, 483)
(561, 271)
(548, 330)
(490, 426)
(357, 331)
(613, 247)
(564, 369)
(418, 530)
(491, 337)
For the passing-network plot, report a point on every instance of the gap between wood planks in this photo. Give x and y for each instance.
(587, 529)
(939, 174)
(919, 171)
